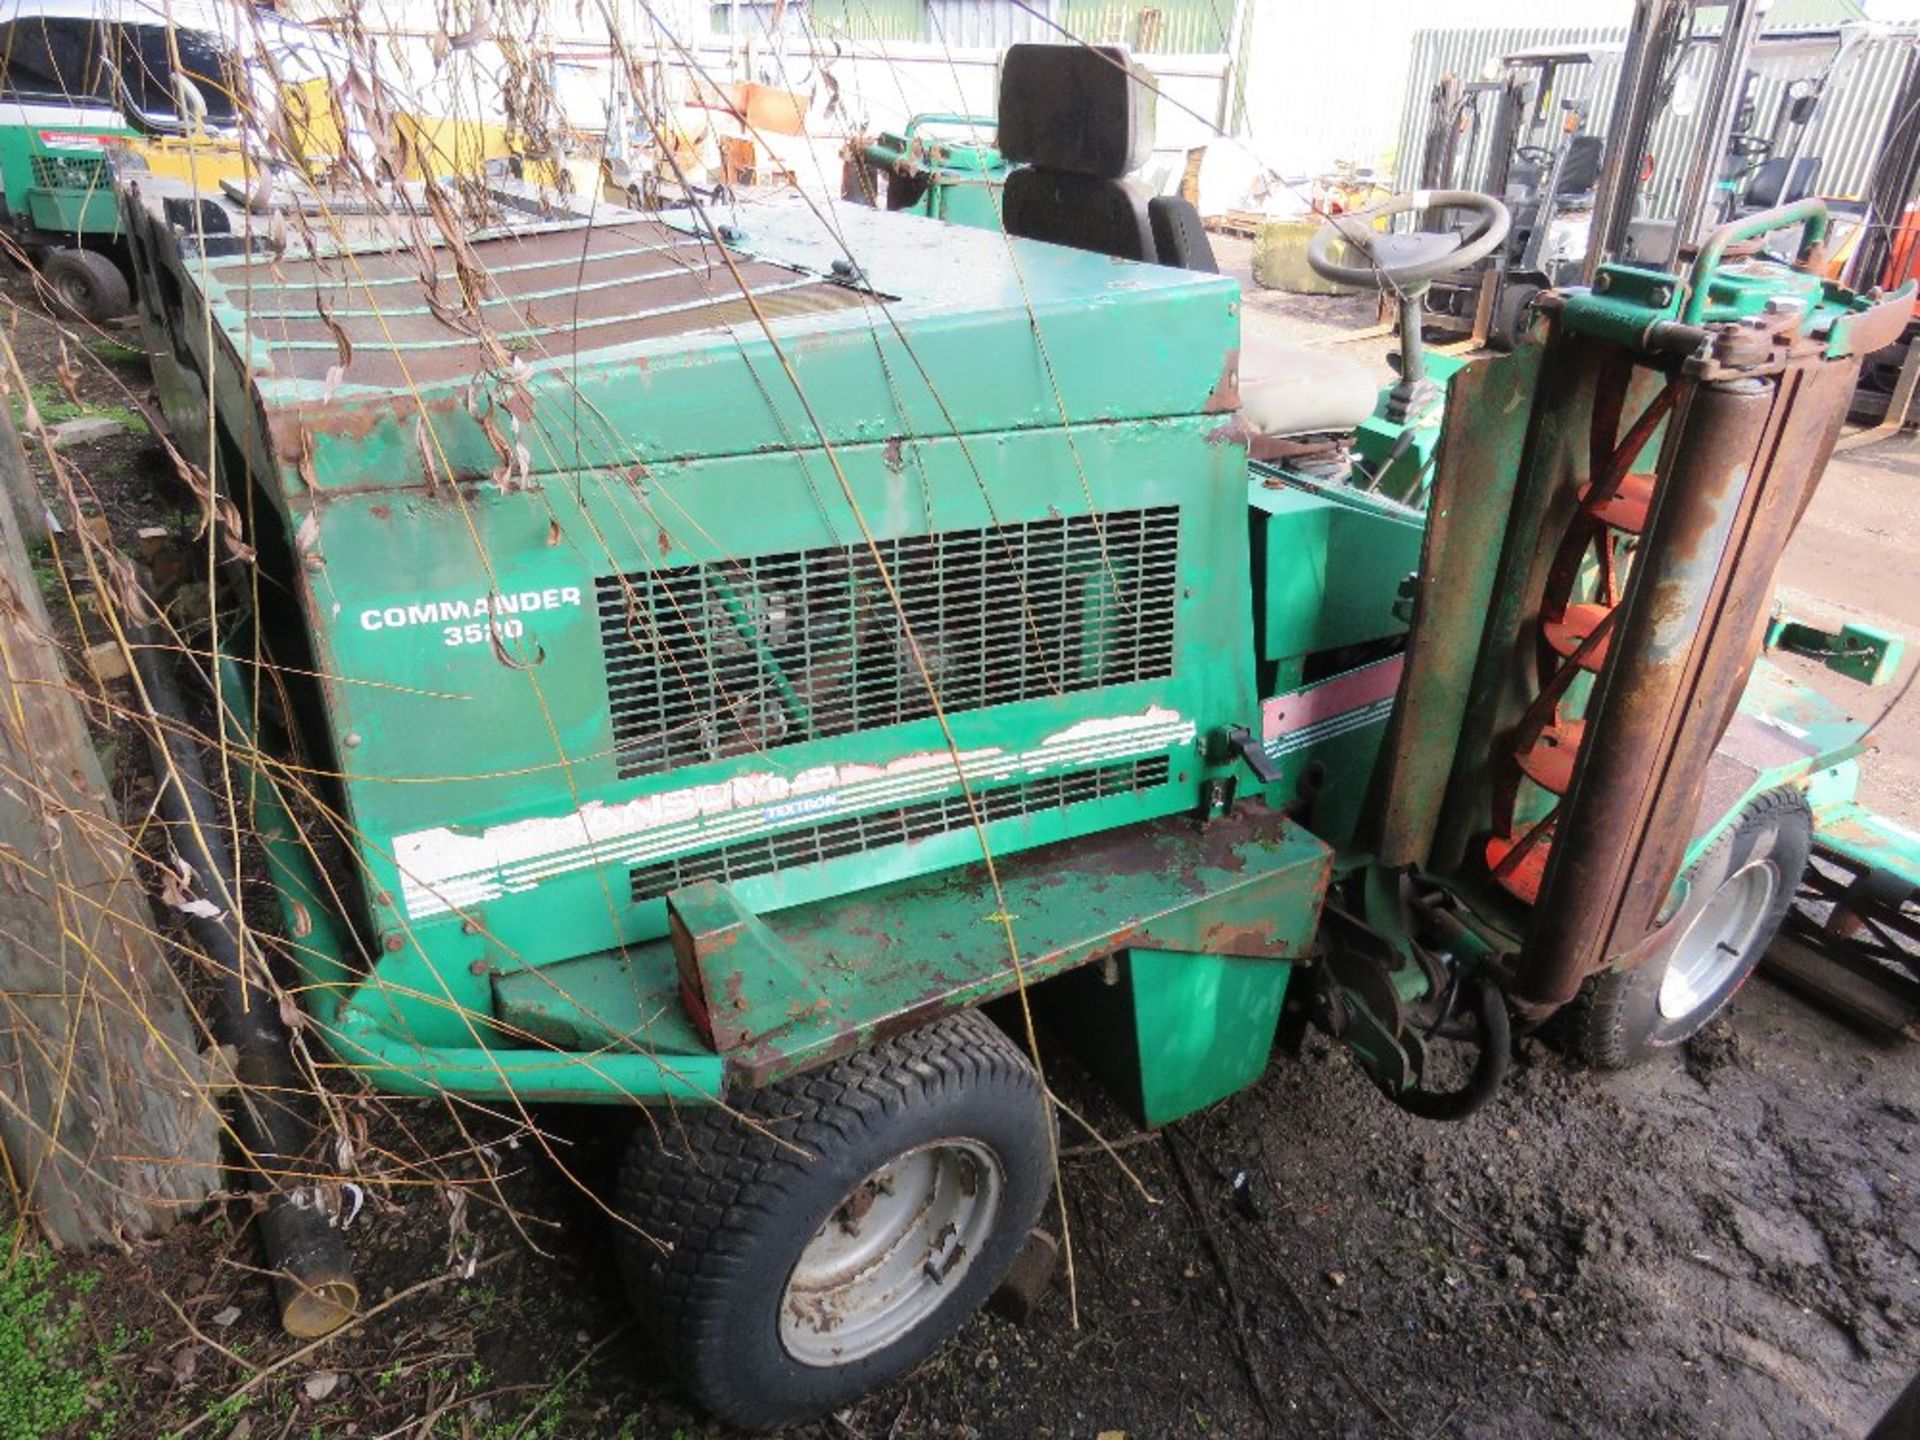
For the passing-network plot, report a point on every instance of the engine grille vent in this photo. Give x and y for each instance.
(708, 661)
(859, 833)
(69, 172)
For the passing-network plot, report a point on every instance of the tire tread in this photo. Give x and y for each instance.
(701, 1181)
(113, 296)
(1598, 1022)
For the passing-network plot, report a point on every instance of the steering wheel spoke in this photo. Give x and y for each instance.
(1406, 264)
(1400, 261)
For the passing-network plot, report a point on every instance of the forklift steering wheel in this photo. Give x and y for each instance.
(1402, 262)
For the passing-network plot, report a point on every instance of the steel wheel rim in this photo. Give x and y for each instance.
(76, 290)
(1717, 940)
(891, 1252)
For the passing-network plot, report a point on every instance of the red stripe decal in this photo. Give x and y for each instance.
(1355, 690)
(72, 140)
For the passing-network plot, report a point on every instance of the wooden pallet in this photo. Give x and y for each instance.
(1235, 222)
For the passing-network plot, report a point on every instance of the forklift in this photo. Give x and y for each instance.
(1528, 136)
(726, 669)
(1536, 151)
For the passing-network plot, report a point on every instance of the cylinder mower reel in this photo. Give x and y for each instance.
(1405, 263)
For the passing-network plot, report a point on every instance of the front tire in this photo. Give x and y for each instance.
(1512, 314)
(1741, 890)
(87, 285)
(829, 1232)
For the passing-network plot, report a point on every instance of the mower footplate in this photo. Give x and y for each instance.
(780, 992)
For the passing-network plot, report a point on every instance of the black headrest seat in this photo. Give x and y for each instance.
(1078, 118)
(1083, 108)
(1582, 165)
(1768, 181)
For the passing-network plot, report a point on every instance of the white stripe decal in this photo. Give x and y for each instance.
(739, 826)
(1331, 727)
(853, 798)
(441, 870)
(62, 117)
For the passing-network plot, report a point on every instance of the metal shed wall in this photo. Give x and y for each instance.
(1845, 134)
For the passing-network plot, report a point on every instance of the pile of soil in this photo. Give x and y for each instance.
(1723, 1247)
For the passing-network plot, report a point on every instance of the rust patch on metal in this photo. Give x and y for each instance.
(1225, 396)
(1224, 937)
(717, 942)
(854, 1209)
(1876, 328)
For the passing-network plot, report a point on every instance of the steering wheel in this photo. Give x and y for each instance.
(1404, 261)
(1534, 155)
(1749, 147)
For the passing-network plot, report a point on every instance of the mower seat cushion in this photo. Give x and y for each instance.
(1108, 217)
(1082, 108)
(1304, 391)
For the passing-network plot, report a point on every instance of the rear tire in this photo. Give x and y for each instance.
(1741, 890)
(87, 285)
(830, 1232)
(1512, 314)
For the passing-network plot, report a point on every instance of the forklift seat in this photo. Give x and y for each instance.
(1581, 169)
(1768, 187)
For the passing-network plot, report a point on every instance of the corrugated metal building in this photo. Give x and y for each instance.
(1864, 66)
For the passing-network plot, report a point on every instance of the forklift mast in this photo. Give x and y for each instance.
(1660, 33)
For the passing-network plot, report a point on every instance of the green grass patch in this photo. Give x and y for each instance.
(53, 406)
(116, 353)
(53, 1381)
(46, 573)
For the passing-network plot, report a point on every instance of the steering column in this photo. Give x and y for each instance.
(1406, 264)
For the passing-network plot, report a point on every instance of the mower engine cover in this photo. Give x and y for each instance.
(602, 606)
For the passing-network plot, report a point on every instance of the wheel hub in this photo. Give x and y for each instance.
(890, 1252)
(1717, 939)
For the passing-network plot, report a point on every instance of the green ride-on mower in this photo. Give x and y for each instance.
(944, 167)
(693, 667)
(90, 87)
